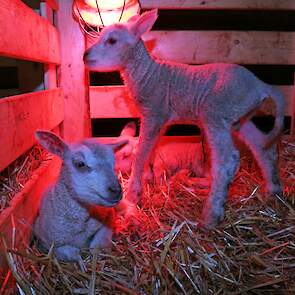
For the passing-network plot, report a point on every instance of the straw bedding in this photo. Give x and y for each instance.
(13, 178)
(162, 251)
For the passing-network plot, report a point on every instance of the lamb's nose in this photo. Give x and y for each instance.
(116, 191)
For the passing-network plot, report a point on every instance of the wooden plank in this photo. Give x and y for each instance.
(253, 47)
(219, 4)
(113, 102)
(21, 115)
(50, 76)
(26, 35)
(163, 139)
(292, 128)
(24, 207)
(72, 78)
(289, 94)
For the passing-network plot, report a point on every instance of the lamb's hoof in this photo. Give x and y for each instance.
(209, 224)
(211, 218)
(277, 191)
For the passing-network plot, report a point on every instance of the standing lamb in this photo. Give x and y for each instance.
(218, 97)
(86, 179)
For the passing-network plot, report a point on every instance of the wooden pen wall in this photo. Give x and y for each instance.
(43, 86)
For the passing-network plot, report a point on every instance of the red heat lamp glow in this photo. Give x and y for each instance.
(102, 13)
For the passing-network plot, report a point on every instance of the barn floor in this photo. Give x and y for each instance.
(251, 252)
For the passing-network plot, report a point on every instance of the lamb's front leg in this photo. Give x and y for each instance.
(102, 238)
(149, 134)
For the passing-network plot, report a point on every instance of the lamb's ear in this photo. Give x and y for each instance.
(118, 145)
(133, 18)
(143, 23)
(51, 142)
(129, 129)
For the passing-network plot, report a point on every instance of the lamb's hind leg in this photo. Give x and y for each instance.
(224, 164)
(266, 158)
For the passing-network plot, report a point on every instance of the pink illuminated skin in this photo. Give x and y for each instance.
(219, 97)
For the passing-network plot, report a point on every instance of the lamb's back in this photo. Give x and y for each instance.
(227, 89)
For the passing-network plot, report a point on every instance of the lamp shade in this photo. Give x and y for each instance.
(105, 12)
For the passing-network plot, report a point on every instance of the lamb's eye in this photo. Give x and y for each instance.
(111, 41)
(80, 165)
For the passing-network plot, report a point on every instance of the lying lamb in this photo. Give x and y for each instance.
(86, 178)
(168, 158)
(218, 97)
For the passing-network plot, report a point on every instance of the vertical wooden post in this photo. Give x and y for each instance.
(50, 70)
(50, 75)
(292, 127)
(72, 75)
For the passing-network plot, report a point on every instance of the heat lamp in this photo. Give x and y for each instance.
(94, 15)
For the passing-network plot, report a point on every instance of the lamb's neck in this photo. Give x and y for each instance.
(140, 69)
(65, 192)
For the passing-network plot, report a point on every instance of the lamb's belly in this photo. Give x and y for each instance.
(180, 119)
(184, 113)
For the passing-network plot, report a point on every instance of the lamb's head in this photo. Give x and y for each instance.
(88, 168)
(125, 156)
(115, 44)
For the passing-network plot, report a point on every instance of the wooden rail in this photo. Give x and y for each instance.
(21, 115)
(240, 47)
(26, 35)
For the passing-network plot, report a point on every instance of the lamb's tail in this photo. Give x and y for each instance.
(279, 101)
